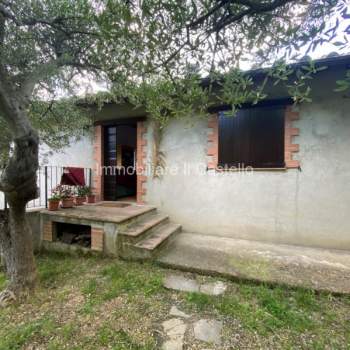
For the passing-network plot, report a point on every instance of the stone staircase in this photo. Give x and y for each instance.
(145, 237)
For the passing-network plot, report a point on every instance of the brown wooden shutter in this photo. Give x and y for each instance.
(254, 137)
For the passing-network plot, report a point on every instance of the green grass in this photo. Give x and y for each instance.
(119, 340)
(2, 281)
(113, 281)
(133, 279)
(44, 329)
(264, 310)
(53, 268)
(15, 337)
(88, 302)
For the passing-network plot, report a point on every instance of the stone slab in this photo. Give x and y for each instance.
(208, 331)
(181, 283)
(214, 288)
(174, 311)
(173, 345)
(174, 328)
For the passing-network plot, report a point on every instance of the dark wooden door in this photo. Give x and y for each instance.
(119, 155)
(110, 162)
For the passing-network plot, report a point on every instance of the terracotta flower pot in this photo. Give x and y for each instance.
(67, 203)
(53, 205)
(79, 200)
(91, 199)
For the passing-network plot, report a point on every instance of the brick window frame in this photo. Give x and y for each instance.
(290, 146)
(290, 132)
(213, 142)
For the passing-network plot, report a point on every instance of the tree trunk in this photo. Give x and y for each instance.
(17, 250)
(19, 185)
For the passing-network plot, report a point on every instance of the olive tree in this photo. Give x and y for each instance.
(46, 45)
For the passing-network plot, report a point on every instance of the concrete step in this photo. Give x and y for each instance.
(148, 248)
(140, 229)
(134, 220)
(158, 237)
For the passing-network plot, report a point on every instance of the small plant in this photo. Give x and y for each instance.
(80, 195)
(54, 200)
(81, 191)
(88, 191)
(64, 192)
(66, 195)
(55, 197)
(91, 198)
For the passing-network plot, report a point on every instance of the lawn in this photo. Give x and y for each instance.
(87, 302)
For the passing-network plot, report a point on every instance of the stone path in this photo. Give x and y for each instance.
(174, 311)
(215, 288)
(184, 284)
(206, 330)
(175, 330)
(181, 283)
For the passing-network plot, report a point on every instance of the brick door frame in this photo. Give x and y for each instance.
(98, 156)
(141, 154)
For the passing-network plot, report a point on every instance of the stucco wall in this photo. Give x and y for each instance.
(307, 207)
(78, 153)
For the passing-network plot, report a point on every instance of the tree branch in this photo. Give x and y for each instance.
(12, 109)
(56, 23)
(5, 91)
(204, 17)
(31, 79)
(249, 8)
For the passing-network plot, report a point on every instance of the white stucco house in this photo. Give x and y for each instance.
(295, 185)
(275, 173)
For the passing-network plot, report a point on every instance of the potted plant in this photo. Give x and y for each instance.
(67, 197)
(80, 196)
(54, 201)
(90, 197)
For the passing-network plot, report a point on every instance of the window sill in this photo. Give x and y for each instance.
(247, 170)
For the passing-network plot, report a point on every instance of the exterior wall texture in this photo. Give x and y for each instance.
(308, 207)
(78, 154)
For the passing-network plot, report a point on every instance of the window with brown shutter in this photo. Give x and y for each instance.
(253, 137)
